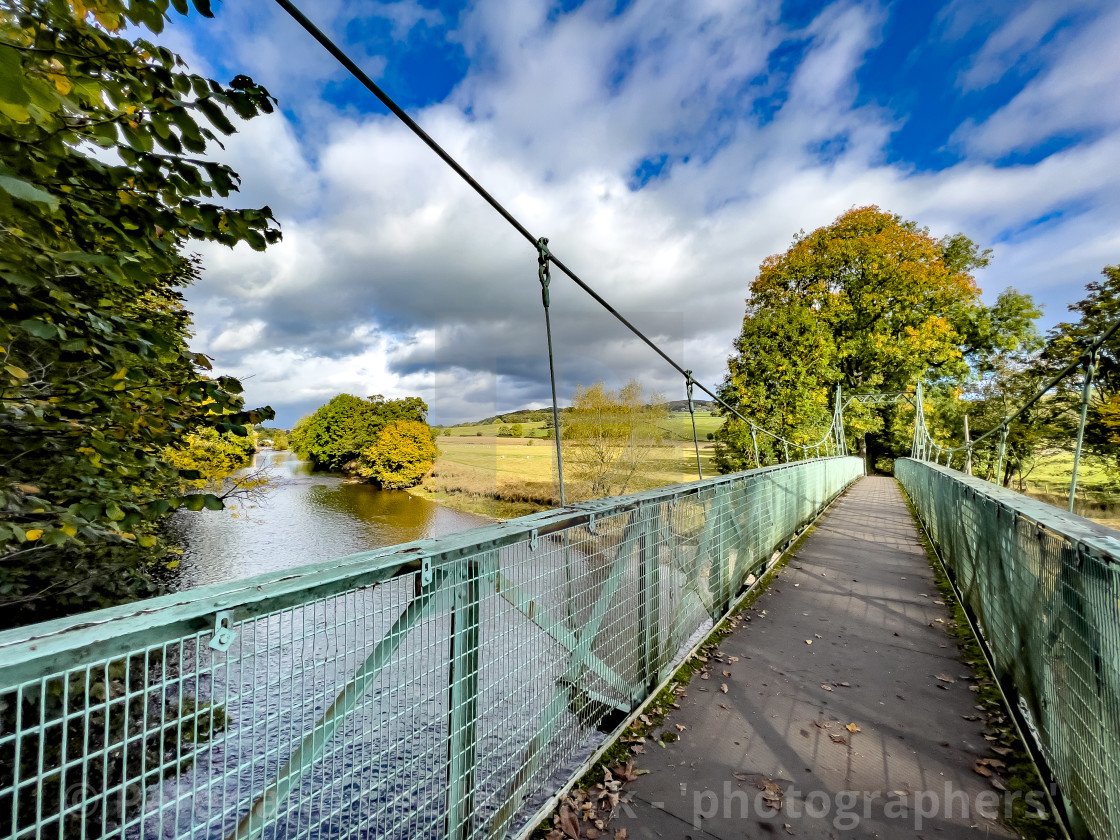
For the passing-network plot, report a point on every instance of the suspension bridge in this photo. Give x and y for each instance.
(456, 688)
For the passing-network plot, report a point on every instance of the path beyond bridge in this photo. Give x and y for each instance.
(846, 694)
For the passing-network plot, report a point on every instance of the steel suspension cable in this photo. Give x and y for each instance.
(370, 85)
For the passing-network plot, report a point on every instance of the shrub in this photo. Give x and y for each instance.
(402, 455)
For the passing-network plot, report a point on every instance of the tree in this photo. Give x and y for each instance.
(774, 378)
(335, 436)
(505, 431)
(103, 186)
(610, 435)
(517, 430)
(402, 455)
(222, 462)
(871, 302)
(1069, 341)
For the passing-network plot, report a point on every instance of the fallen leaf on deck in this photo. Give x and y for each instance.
(851, 727)
(982, 769)
(827, 687)
(723, 687)
(838, 739)
(788, 828)
(946, 678)
(808, 641)
(569, 822)
(680, 728)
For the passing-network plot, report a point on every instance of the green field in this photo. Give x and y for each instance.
(506, 477)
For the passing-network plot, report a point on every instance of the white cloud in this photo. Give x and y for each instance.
(1075, 94)
(394, 278)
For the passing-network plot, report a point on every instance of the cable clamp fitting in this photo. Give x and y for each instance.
(544, 256)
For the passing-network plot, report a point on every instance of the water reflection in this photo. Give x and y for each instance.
(306, 517)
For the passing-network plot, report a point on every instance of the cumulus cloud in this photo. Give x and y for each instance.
(665, 151)
(1073, 95)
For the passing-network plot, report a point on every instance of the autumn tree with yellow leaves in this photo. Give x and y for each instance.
(871, 302)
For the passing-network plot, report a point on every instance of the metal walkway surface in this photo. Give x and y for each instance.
(834, 706)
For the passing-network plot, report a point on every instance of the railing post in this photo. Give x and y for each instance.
(1086, 388)
(754, 440)
(463, 703)
(967, 448)
(649, 601)
(721, 568)
(1002, 452)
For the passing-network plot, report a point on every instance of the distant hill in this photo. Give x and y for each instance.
(537, 415)
(682, 405)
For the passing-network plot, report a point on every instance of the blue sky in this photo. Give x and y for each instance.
(666, 148)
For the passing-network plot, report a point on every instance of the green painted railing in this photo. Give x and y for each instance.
(444, 688)
(1044, 587)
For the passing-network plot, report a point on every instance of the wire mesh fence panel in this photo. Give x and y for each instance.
(1044, 586)
(440, 689)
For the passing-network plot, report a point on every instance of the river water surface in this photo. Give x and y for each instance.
(305, 517)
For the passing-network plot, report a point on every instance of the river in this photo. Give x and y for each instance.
(305, 517)
(382, 775)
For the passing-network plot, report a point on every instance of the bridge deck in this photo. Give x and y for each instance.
(861, 590)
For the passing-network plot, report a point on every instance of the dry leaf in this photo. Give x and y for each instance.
(620, 834)
(982, 769)
(705, 675)
(788, 828)
(679, 727)
(569, 822)
(733, 659)
(723, 687)
(808, 641)
(946, 678)
(1002, 750)
(591, 834)
(637, 749)
(851, 727)
(555, 834)
(827, 687)
(838, 739)
(727, 673)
